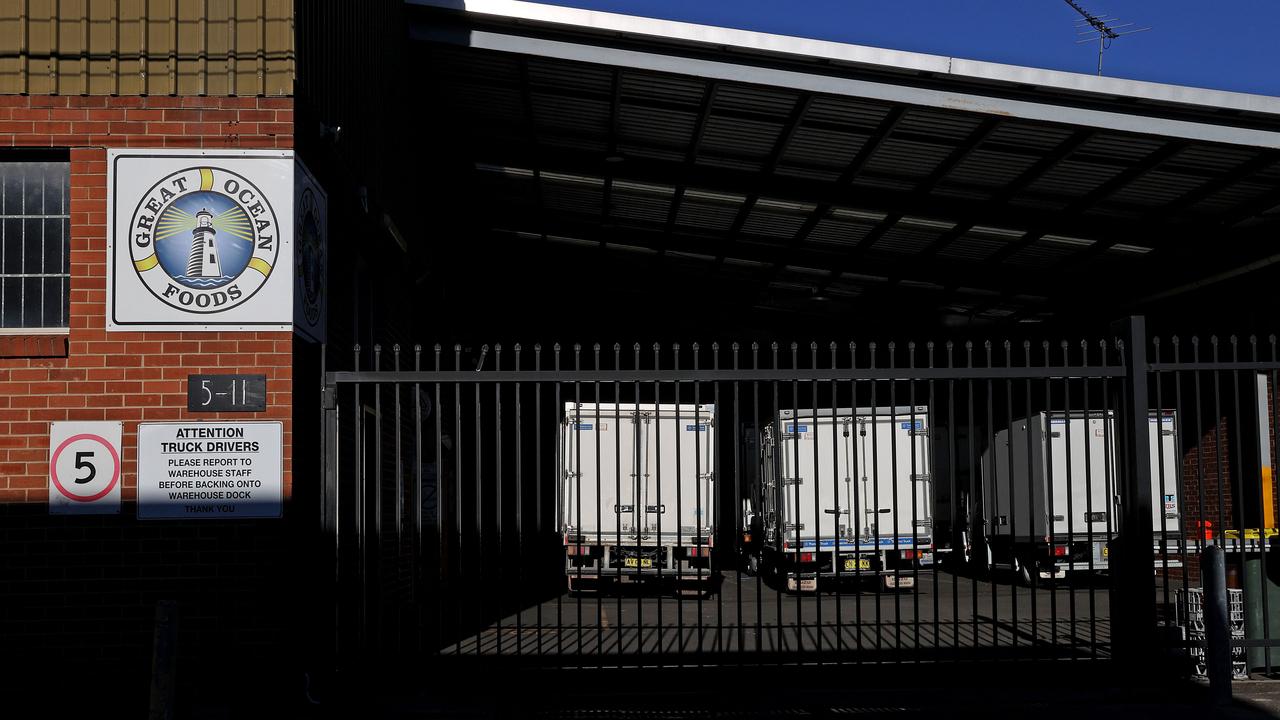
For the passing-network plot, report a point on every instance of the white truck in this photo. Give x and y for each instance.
(637, 495)
(1041, 517)
(846, 495)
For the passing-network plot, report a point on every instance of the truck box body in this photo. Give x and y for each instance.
(846, 492)
(637, 490)
(1054, 475)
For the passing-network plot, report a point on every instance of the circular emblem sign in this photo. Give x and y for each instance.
(204, 239)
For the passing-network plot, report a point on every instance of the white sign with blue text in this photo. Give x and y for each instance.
(203, 470)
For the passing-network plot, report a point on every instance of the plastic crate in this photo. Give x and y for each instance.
(1239, 663)
(1190, 603)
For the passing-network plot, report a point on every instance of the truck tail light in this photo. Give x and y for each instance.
(806, 557)
(1060, 551)
(908, 554)
(746, 537)
(577, 549)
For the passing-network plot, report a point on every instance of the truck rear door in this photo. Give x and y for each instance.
(896, 468)
(1082, 465)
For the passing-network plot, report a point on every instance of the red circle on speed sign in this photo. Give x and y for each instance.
(53, 468)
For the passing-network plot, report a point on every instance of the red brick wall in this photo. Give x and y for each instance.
(1208, 466)
(83, 589)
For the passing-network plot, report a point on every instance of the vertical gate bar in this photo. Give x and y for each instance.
(1238, 489)
(957, 507)
(577, 479)
(375, 547)
(700, 513)
(795, 466)
(635, 479)
(1260, 394)
(1071, 511)
(677, 574)
(931, 501)
(1019, 563)
(416, 572)
(1271, 399)
(837, 536)
(442, 566)
(399, 504)
(1033, 562)
(400, 501)
(858, 511)
(332, 505)
(714, 444)
(1138, 600)
(738, 523)
(893, 499)
(994, 479)
(755, 416)
(657, 445)
(1053, 587)
(978, 513)
(917, 468)
(539, 515)
(561, 477)
(1180, 424)
(1217, 445)
(775, 410)
(874, 510)
(361, 539)
(1160, 468)
(482, 570)
(595, 351)
(522, 575)
(1204, 534)
(1088, 482)
(617, 481)
(1110, 456)
(460, 580)
(500, 561)
(817, 500)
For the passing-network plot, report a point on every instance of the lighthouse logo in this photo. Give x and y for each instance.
(204, 239)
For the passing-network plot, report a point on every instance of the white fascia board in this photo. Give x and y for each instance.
(924, 97)
(748, 40)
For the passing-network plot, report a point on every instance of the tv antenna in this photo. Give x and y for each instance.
(1102, 28)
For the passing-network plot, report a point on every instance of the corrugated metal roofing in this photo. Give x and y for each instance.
(1010, 211)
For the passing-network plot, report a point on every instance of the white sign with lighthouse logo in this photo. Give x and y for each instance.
(200, 239)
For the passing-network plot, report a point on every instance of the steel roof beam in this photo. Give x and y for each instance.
(666, 173)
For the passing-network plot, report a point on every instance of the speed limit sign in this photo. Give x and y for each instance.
(84, 468)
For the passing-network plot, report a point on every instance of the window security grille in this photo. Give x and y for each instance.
(35, 239)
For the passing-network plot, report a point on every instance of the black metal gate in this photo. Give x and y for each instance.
(842, 503)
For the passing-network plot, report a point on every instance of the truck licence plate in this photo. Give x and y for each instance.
(857, 564)
(638, 562)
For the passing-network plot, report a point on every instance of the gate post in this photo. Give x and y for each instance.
(1133, 597)
(329, 557)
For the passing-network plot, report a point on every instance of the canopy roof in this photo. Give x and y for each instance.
(790, 171)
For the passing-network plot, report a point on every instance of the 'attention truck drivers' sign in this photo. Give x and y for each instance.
(210, 470)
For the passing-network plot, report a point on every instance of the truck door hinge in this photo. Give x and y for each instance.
(921, 477)
(792, 481)
(329, 397)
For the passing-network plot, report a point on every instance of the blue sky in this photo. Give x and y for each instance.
(1222, 44)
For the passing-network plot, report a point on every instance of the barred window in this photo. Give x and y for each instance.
(35, 243)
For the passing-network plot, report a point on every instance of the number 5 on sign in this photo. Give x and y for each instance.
(84, 468)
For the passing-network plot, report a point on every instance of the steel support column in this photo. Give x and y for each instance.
(1133, 562)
